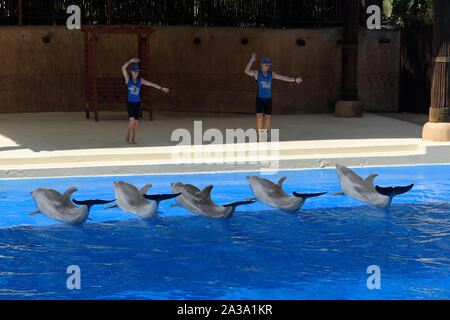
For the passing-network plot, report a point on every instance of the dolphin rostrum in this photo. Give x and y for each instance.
(199, 201)
(135, 201)
(364, 190)
(274, 196)
(60, 207)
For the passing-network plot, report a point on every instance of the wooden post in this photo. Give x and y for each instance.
(438, 127)
(349, 106)
(440, 93)
(87, 89)
(94, 72)
(20, 12)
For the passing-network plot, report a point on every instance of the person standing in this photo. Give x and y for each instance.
(134, 99)
(264, 96)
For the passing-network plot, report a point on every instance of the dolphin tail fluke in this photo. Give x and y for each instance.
(308, 195)
(393, 191)
(161, 197)
(90, 203)
(34, 212)
(239, 203)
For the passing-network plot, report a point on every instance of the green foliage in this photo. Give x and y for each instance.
(401, 12)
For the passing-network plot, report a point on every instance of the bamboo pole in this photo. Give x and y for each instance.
(438, 127)
(440, 93)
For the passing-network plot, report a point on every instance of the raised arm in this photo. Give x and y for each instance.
(251, 73)
(154, 85)
(125, 66)
(277, 76)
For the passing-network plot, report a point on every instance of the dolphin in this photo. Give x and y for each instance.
(274, 196)
(135, 201)
(354, 186)
(60, 207)
(199, 201)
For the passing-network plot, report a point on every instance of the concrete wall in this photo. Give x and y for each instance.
(48, 76)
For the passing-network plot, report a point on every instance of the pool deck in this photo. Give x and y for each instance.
(66, 144)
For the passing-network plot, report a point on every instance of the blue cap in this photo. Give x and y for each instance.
(265, 61)
(135, 68)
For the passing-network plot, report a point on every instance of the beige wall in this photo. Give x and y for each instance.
(37, 76)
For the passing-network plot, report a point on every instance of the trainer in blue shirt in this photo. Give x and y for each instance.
(134, 99)
(264, 96)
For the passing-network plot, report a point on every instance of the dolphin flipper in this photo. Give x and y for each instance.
(161, 197)
(308, 195)
(90, 203)
(393, 191)
(239, 203)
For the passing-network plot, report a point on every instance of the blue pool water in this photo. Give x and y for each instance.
(321, 252)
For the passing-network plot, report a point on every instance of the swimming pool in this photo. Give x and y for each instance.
(321, 252)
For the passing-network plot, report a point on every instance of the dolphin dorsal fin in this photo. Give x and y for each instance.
(69, 192)
(370, 178)
(206, 192)
(280, 182)
(145, 188)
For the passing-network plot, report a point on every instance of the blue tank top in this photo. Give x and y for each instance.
(133, 90)
(264, 85)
